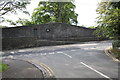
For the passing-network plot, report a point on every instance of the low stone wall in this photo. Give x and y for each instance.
(28, 42)
(20, 42)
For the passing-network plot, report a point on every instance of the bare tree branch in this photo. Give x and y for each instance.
(12, 6)
(4, 5)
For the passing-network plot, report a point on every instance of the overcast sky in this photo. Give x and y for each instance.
(86, 10)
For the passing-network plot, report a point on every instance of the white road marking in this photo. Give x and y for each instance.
(67, 55)
(72, 50)
(12, 52)
(52, 53)
(43, 54)
(96, 71)
(21, 51)
(59, 52)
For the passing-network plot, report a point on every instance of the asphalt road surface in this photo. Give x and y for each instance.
(82, 60)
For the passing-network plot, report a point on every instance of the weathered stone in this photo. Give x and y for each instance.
(31, 36)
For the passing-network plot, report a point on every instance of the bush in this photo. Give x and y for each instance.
(116, 44)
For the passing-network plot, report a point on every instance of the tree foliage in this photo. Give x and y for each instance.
(2, 26)
(19, 22)
(11, 6)
(54, 12)
(109, 19)
(92, 27)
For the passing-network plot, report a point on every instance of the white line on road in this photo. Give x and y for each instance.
(72, 50)
(67, 55)
(21, 51)
(52, 53)
(43, 54)
(96, 71)
(59, 52)
(12, 52)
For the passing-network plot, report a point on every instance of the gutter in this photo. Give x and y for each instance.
(108, 53)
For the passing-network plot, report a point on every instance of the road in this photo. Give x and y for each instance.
(82, 60)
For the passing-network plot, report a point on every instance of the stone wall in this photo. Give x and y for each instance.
(58, 30)
(44, 35)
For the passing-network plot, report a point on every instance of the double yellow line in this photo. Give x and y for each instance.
(47, 71)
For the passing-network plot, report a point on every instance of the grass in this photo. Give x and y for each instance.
(3, 67)
(116, 52)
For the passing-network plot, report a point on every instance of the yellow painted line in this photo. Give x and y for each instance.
(45, 67)
(48, 69)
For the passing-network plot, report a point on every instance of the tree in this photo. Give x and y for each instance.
(92, 27)
(54, 12)
(19, 22)
(109, 19)
(12, 6)
(2, 26)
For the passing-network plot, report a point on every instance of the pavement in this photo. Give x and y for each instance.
(21, 69)
(82, 60)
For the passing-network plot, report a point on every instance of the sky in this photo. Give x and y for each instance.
(86, 10)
